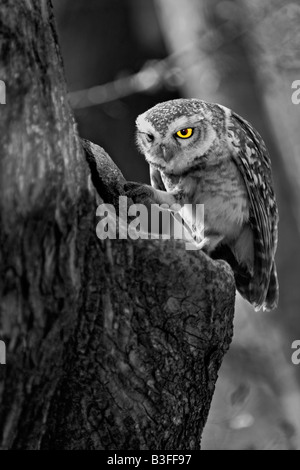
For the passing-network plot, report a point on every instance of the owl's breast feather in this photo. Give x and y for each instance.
(225, 199)
(222, 191)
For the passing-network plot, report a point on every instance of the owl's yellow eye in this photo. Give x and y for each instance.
(185, 133)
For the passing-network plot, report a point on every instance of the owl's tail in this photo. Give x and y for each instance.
(261, 292)
(273, 290)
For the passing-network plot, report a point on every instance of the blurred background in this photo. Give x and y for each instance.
(123, 56)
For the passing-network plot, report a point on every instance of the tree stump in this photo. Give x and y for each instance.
(110, 344)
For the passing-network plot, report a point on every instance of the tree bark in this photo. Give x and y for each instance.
(111, 344)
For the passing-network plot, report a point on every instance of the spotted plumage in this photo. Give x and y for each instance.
(204, 153)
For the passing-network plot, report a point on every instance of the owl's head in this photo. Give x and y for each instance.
(179, 134)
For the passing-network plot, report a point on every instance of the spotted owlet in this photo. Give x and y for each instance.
(204, 153)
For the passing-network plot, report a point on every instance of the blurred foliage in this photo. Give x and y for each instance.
(122, 57)
(103, 42)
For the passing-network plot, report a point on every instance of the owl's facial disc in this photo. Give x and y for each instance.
(174, 143)
(155, 149)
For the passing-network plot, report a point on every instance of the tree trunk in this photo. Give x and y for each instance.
(110, 344)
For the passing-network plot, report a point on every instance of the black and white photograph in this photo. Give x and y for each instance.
(149, 227)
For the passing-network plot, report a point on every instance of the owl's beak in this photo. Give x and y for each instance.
(167, 154)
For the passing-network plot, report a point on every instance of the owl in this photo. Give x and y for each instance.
(204, 153)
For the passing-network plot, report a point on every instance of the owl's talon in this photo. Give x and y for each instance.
(203, 244)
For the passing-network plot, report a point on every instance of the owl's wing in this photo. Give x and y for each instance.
(155, 179)
(251, 157)
(177, 222)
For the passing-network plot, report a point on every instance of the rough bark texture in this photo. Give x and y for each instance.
(110, 344)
